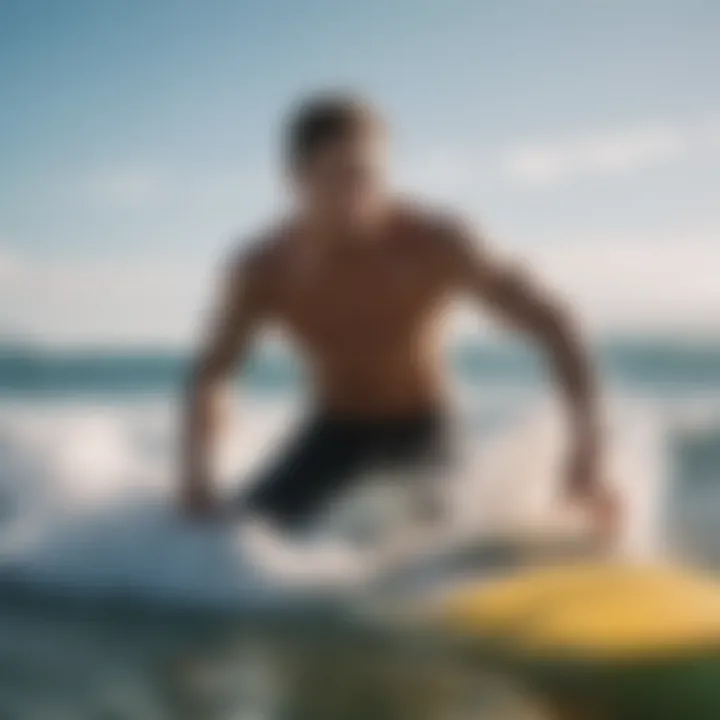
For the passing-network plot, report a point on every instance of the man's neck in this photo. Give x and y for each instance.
(332, 232)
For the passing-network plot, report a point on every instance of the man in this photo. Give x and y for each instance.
(359, 281)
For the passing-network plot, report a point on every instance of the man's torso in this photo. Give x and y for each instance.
(366, 316)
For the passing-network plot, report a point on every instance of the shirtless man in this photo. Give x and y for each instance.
(359, 281)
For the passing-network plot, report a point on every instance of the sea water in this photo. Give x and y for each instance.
(111, 606)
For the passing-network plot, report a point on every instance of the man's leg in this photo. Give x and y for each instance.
(320, 463)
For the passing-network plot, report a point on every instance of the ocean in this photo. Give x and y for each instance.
(110, 607)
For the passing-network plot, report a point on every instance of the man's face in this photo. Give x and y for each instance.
(344, 180)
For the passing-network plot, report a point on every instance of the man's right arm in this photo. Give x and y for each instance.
(235, 320)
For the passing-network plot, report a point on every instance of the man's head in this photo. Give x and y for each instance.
(336, 156)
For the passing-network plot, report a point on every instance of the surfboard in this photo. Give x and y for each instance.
(598, 639)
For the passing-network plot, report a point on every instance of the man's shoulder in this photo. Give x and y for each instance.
(264, 251)
(435, 227)
(430, 221)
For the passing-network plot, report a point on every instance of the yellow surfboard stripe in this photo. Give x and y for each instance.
(591, 609)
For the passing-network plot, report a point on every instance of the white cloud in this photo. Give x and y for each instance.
(10, 266)
(458, 172)
(622, 151)
(631, 282)
(108, 301)
(175, 197)
(616, 282)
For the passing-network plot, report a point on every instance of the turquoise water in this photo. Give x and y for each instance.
(652, 365)
(87, 442)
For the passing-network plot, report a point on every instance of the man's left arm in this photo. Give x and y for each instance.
(517, 297)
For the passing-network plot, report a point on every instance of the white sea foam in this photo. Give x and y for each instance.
(87, 496)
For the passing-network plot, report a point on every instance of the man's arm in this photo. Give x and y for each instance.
(516, 297)
(235, 320)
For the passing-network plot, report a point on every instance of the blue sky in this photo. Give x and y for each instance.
(138, 138)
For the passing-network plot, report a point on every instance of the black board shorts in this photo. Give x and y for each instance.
(330, 454)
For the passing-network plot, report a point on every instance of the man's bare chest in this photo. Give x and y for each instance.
(367, 302)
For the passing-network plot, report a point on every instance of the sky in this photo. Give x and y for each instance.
(139, 141)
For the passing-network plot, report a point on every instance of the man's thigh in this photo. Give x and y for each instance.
(318, 464)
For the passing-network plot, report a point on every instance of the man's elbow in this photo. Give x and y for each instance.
(559, 324)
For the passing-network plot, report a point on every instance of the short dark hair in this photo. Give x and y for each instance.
(325, 118)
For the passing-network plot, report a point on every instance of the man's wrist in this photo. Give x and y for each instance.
(195, 486)
(583, 466)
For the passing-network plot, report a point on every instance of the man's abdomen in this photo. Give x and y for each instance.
(373, 384)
